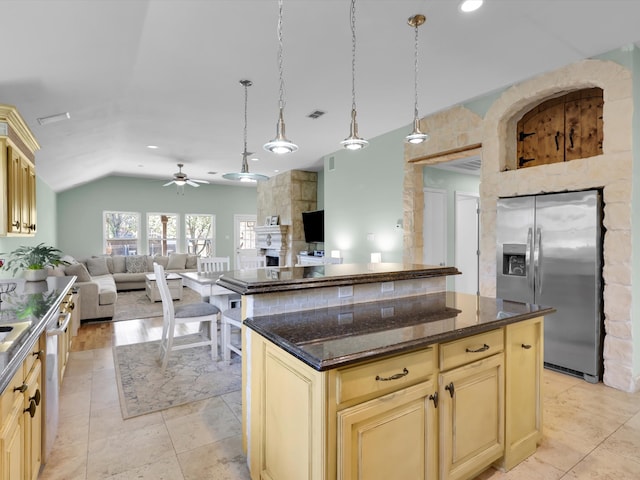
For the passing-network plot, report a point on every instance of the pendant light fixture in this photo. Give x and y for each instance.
(280, 144)
(353, 141)
(416, 136)
(244, 175)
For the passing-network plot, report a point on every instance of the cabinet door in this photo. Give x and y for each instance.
(541, 135)
(11, 443)
(33, 425)
(583, 124)
(394, 436)
(523, 403)
(471, 417)
(14, 191)
(28, 198)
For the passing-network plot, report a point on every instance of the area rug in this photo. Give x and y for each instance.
(191, 375)
(136, 304)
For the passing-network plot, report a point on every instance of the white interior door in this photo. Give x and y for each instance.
(244, 235)
(466, 242)
(435, 227)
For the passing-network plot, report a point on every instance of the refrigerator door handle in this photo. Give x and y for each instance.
(527, 258)
(537, 269)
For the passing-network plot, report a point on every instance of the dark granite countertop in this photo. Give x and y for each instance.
(27, 311)
(282, 279)
(338, 336)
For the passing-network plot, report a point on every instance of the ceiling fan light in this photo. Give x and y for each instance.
(467, 6)
(180, 182)
(280, 145)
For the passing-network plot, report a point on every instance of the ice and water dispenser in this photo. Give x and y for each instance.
(513, 259)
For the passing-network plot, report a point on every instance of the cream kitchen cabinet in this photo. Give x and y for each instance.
(524, 353)
(21, 420)
(446, 411)
(471, 393)
(17, 175)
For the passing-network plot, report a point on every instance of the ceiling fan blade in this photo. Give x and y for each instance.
(168, 183)
(192, 183)
(199, 181)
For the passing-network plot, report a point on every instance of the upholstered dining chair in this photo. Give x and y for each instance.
(202, 312)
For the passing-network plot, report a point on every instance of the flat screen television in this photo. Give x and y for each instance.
(313, 223)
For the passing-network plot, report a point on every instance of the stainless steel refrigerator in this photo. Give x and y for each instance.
(549, 251)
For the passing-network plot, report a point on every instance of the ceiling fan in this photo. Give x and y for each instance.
(181, 179)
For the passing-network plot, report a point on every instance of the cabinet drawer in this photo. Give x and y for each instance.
(385, 375)
(470, 349)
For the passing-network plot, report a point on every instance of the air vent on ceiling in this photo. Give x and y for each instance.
(316, 114)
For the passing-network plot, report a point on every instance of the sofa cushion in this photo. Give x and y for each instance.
(177, 261)
(122, 278)
(118, 262)
(79, 270)
(107, 293)
(97, 266)
(161, 260)
(192, 262)
(136, 264)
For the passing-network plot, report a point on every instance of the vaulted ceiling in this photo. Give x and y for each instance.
(166, 72)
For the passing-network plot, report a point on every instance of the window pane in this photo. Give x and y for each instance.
(200, 235)
(121, 233)
(247, 235)
(162, 233)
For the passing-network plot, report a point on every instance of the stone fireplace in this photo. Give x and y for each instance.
(458, 131)
(286, 195)
(271, 241)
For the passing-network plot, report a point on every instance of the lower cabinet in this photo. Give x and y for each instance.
(447, 412)
(21, 421)
(366, 432)
(524, 351)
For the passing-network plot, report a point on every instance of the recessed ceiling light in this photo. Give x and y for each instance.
(276, 170)
(255, 159)
(211, 173)
(152, 147)
(467, 6)
(58, 117)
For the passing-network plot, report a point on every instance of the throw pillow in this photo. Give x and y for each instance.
(68, 259)
(177, 261)
(79, 270)
(97, 266)
(136, 264)
(118, 262)
(161, 260)
(192, 262)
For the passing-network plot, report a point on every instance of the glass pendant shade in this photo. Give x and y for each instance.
(280, 144)
(417, 136)
(353, 141)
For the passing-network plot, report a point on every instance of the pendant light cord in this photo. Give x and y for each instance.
(280, 54)
(415, 75)
(353, 54)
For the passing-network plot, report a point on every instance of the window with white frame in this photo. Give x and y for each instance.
(121, 233)
(200, 234)
(162, 233)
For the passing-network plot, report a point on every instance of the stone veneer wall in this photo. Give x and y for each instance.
(288, 195)
(611, 171)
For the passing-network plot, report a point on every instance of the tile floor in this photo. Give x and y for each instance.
(591, 432)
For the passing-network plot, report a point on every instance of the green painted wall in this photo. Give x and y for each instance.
(363, 199)
(80, 210)
(46, 224)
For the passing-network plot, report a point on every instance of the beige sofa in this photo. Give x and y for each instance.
(100, 278)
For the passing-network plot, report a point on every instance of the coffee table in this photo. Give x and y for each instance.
(174, 281)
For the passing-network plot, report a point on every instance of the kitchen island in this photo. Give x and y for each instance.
(374, 371)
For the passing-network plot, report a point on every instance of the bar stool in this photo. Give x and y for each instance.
(231, 319)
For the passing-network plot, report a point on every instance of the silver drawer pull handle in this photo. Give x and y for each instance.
(483, 348)
(404, 373)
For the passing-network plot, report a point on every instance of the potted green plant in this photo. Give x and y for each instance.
(33, 260)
